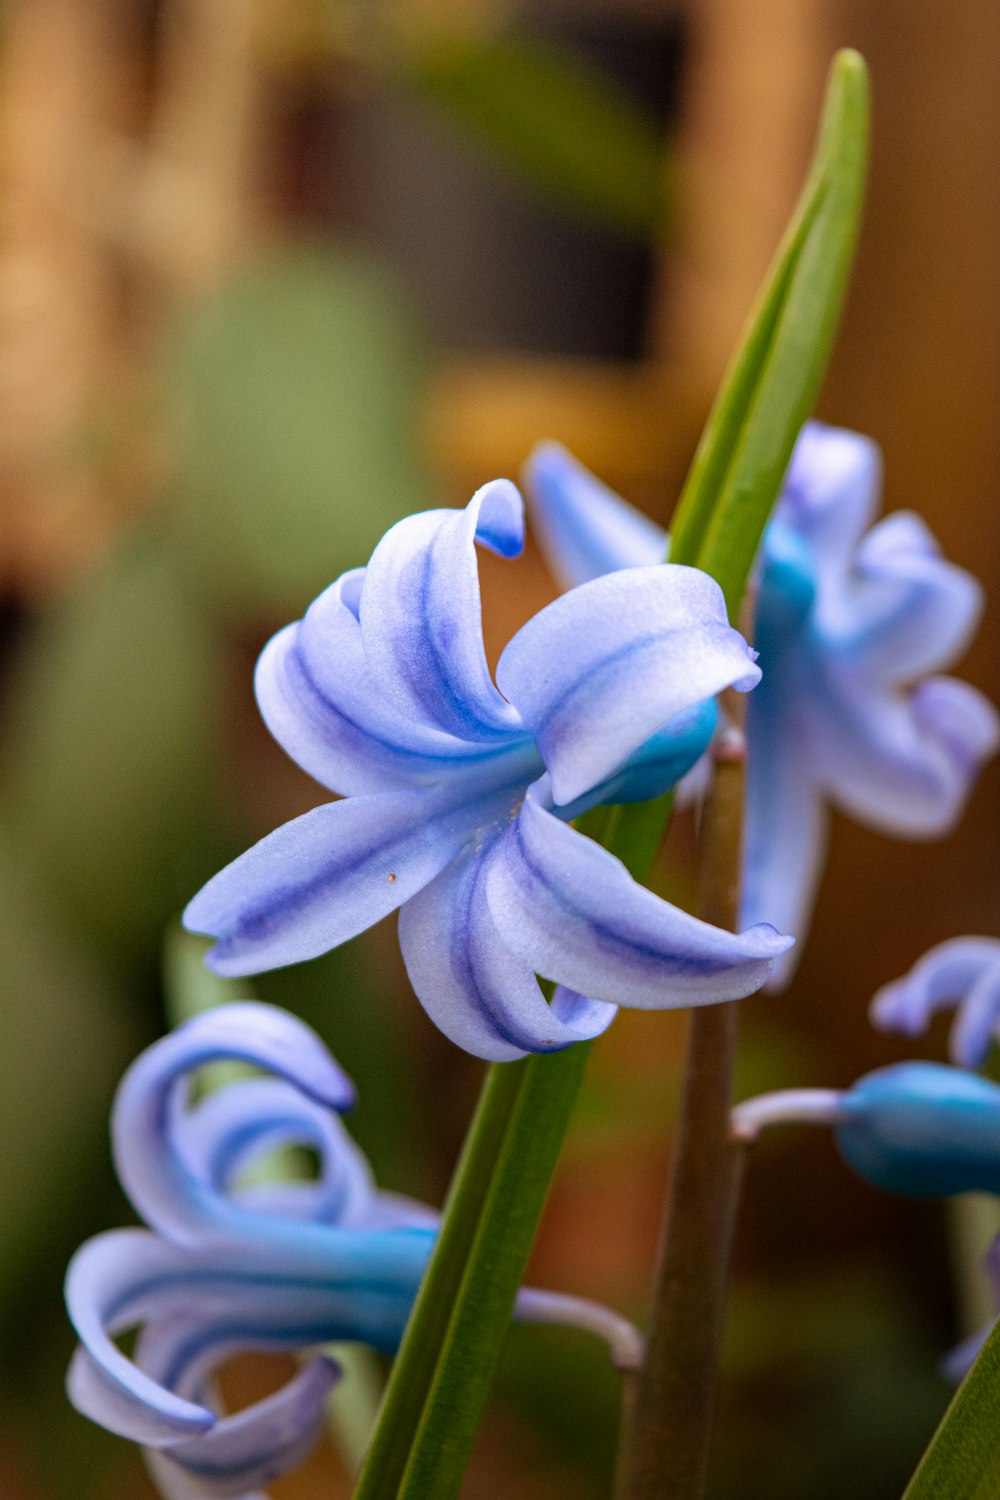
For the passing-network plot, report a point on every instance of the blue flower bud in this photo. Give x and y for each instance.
(923, 1129)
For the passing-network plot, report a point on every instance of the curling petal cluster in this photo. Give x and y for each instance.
(853, 619)
(963, 973)
(458, 791)
(229, 1265)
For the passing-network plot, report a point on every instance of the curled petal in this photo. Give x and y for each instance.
(421, 617)
(308, 1284)
(904, 765)
(113, 1281)
(600, 670)
(323, 705)
(571, 911)
(964, 972)
(906, 610)
(472, 986)
(661, 763)
(324, 877)
(150, 1163)
(232, 1129)
(584, 529)
(256, 1445)
(786, 829)
(830, 492)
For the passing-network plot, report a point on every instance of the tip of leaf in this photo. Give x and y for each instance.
(849, 71)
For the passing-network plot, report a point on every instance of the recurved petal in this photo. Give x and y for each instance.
(963, 972)
(156, 1170)
(480, 994)
(596, 673)
(571, 911)
(326, 876)
(113, 1281)
(584, 529)
(421, 616)
(786, 828)
(253, 1446)
(312, 1284)
(830, 493)
(904, 763)
(231, 1130)
(323, 705)
(906, 610)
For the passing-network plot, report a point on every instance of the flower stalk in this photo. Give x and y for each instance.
(667, 1422)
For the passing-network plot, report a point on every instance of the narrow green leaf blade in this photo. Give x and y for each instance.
(493, 1274)
(776, 372)
(775, 376)
(413, 1369)
(963, 1460)
(803, 334)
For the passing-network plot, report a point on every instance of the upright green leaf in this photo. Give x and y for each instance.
(775, 374)
(777, 371)
(963, 1460)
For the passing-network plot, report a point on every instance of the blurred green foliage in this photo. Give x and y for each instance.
(111, 769)
(296, 393)
(540, 109)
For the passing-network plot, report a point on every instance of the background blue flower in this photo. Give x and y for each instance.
(850, 623)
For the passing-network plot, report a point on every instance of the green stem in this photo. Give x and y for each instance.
(414, 1366)
(667, 1427)
(482, 1309)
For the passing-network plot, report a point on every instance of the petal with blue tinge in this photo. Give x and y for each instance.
(323, 705)
(570, 910)
(151, 1165)
(904, 764)
(328, 875)
(597, 672)
(421, 615)
(472, 986)
(904, 610)
(584, 529)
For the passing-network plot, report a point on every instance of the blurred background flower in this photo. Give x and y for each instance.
(271, 277)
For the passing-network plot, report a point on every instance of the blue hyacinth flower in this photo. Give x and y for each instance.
(963, 972)
(457, 791)
(850, 623)
(228, 1266)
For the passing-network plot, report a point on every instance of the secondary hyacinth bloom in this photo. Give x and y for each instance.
(458, 791)
(963, 972)
(917, 1128)
(850, 623)
(226, 1267)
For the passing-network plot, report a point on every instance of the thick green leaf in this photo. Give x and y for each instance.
(541, 109)
(297, 390)
(963, 1460)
